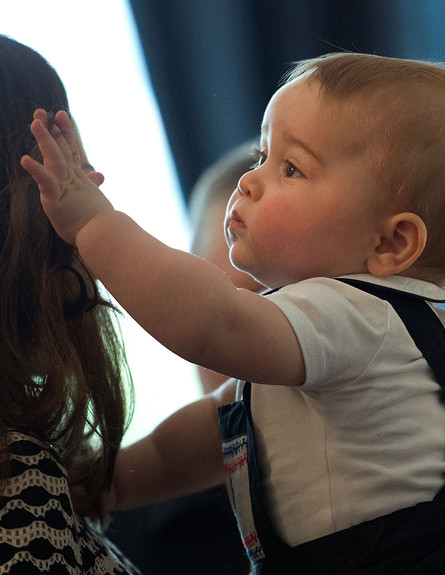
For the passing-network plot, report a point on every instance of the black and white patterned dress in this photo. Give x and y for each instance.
(39, 531)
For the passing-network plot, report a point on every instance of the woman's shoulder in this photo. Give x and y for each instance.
(39, 530)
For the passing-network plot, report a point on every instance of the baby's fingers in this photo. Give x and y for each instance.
(69, 131)
(63, 121)
(53, 147)
(47, 182)
(42, 115)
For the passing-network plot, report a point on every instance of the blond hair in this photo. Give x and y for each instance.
(402, 104)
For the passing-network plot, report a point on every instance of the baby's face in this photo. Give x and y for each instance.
(311, 207)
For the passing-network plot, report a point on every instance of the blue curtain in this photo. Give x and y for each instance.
(214, 64)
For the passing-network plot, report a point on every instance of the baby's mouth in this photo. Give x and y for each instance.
(234, 221)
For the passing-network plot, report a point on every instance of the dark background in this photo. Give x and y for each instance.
(214, 64)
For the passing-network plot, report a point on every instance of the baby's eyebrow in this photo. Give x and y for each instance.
(305, 147)
(292, 140)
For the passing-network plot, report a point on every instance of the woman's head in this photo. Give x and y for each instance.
(27, 82)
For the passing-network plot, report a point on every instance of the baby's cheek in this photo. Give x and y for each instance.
(275, 222)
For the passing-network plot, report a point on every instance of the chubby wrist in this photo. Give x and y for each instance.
(94, 240)
(97, 225)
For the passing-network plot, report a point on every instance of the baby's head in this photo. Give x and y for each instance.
(399, 111)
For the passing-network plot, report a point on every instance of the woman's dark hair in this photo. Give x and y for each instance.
(63, 371)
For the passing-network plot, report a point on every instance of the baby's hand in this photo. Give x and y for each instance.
(69, 195)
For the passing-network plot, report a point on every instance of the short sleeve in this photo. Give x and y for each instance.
(339, 328)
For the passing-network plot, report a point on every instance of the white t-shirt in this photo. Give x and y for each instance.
(365, 435)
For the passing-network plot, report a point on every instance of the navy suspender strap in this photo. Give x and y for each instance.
(422, 323)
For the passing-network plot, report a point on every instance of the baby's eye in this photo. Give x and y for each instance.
(292, 171)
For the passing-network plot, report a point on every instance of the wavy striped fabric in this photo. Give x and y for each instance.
(39, 531)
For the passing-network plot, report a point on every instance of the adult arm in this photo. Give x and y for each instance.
(182, 455)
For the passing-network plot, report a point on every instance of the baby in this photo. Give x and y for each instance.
(337, 433)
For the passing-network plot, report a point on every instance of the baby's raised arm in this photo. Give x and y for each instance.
(186, 303)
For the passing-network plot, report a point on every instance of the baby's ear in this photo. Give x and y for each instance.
(402, 242)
